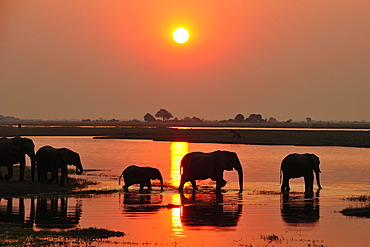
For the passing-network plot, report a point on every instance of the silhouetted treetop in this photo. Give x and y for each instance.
(254, 118)
(239, 118)
(149, 118)
(164, 114)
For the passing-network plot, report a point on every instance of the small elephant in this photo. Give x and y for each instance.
(49, 159)
(199, 166)
(140, 175)
(13, 151)
(300, 165)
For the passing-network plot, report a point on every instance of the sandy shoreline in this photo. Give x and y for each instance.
(346, 135)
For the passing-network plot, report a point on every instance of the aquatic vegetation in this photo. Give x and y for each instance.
(357, 211)
(14, 235)
(360, 198)
(362, 211)
(272, 238)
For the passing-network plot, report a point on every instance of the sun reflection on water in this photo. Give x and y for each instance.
(178, 151)
(177, 229)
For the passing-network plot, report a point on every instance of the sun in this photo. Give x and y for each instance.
(180, 35)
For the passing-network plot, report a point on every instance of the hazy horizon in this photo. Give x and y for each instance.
(117, 59)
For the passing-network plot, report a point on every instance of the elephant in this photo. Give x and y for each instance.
(13, 151)
(199, 166)
(49, 159)
(300, 165)
(140, 175)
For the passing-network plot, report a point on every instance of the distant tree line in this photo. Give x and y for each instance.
(8, 118)
(164, 115)
(253, 118)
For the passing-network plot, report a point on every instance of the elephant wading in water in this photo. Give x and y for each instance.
(140, 175)
(13, 151)
(199, 166)
(49, 159)
(300, 165)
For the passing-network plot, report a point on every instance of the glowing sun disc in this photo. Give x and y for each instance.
(180, 35)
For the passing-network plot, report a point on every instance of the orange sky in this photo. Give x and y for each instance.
(116, 59)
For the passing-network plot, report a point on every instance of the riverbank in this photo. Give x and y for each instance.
(299, 134)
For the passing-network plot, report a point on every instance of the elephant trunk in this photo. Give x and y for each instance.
(318, 180)
(79, 170)
(161, 184)
(238, 167)
(240, 174)
(119, 179)
(33, 167)
(161, 179)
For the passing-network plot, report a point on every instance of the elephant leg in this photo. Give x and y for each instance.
(220, 183)
(125, 187)
(43, 176)
(54, 176)
(63, 176)
(148, 184)
(1, 176)
(194, 184)
(308, 181)
(285, 186)
(10, 173)
(181, 186)
(22, 166)
(142, 186)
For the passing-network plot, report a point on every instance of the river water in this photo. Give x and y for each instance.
(260, 216)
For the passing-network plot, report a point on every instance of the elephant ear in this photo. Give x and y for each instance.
(65, 156)
(316, 163)
(225, 159)
(16, 150)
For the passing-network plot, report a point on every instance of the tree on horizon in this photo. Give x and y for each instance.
(149, 118)
(164, 114)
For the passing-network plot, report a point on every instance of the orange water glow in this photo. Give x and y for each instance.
(178, 151)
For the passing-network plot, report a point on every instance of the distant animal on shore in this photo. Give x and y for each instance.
(300, 165)
(49, 159)
(140, 175)
(200, 166)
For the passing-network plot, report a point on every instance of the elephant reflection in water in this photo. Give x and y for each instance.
(210, 210)
(13, 212)
(55, 213)
(48, 213)
(299, 209)
(141, 203)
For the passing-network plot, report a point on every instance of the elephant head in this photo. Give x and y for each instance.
(316, 168)
(228, 161)
(153, 173)
(71, 158)
(29, 148)
(199, 166)
(18, 148)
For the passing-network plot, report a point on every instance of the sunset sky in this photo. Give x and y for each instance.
(117, 59)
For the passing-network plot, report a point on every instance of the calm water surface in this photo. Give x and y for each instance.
(208, 218)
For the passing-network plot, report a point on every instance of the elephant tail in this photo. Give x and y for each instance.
(281, 175)
(119, 179)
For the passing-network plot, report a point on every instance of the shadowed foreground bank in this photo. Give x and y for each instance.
(347, 135)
